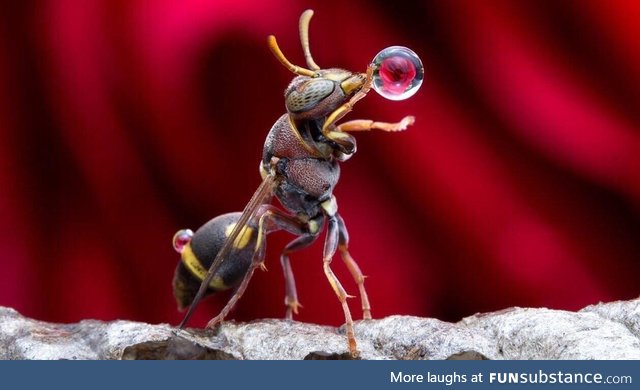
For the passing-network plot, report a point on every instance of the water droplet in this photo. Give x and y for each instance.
(181, 239)
(398, 74)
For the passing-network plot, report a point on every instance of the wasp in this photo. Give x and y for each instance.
(300, 167)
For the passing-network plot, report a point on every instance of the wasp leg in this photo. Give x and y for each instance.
(291, 298)
(307, 232)
(258, 258)
(354, 269)
(330, 247)
(328, 126)
(270, 219)
(367, 125)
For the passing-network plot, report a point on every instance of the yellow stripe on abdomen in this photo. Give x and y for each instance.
(243, 238)
(194, 266)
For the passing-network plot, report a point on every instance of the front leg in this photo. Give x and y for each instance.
(345, 144)
(368, 124)
(328, 128)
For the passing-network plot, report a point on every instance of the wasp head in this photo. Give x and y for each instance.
(315, 97)
(316, 92)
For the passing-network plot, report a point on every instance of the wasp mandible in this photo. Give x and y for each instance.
(300, 167)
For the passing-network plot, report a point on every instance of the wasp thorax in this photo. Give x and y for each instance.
(398, 73)
(181, 239)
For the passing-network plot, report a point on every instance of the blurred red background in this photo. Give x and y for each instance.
(124, 121)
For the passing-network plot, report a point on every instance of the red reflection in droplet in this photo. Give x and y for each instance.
(181, 239)
(397, 73)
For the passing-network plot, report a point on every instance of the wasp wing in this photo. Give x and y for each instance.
(264, 192)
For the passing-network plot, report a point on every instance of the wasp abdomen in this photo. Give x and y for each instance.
(199, 253)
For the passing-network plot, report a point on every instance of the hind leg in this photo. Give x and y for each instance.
(257, 262)
(351, 264)
(270, 219)
(330, 246)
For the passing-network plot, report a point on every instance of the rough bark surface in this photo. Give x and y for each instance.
(602, 331)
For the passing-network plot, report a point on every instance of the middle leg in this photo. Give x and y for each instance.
(291, 298)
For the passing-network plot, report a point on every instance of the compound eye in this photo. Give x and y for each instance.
(398, 73)
(309, 95)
